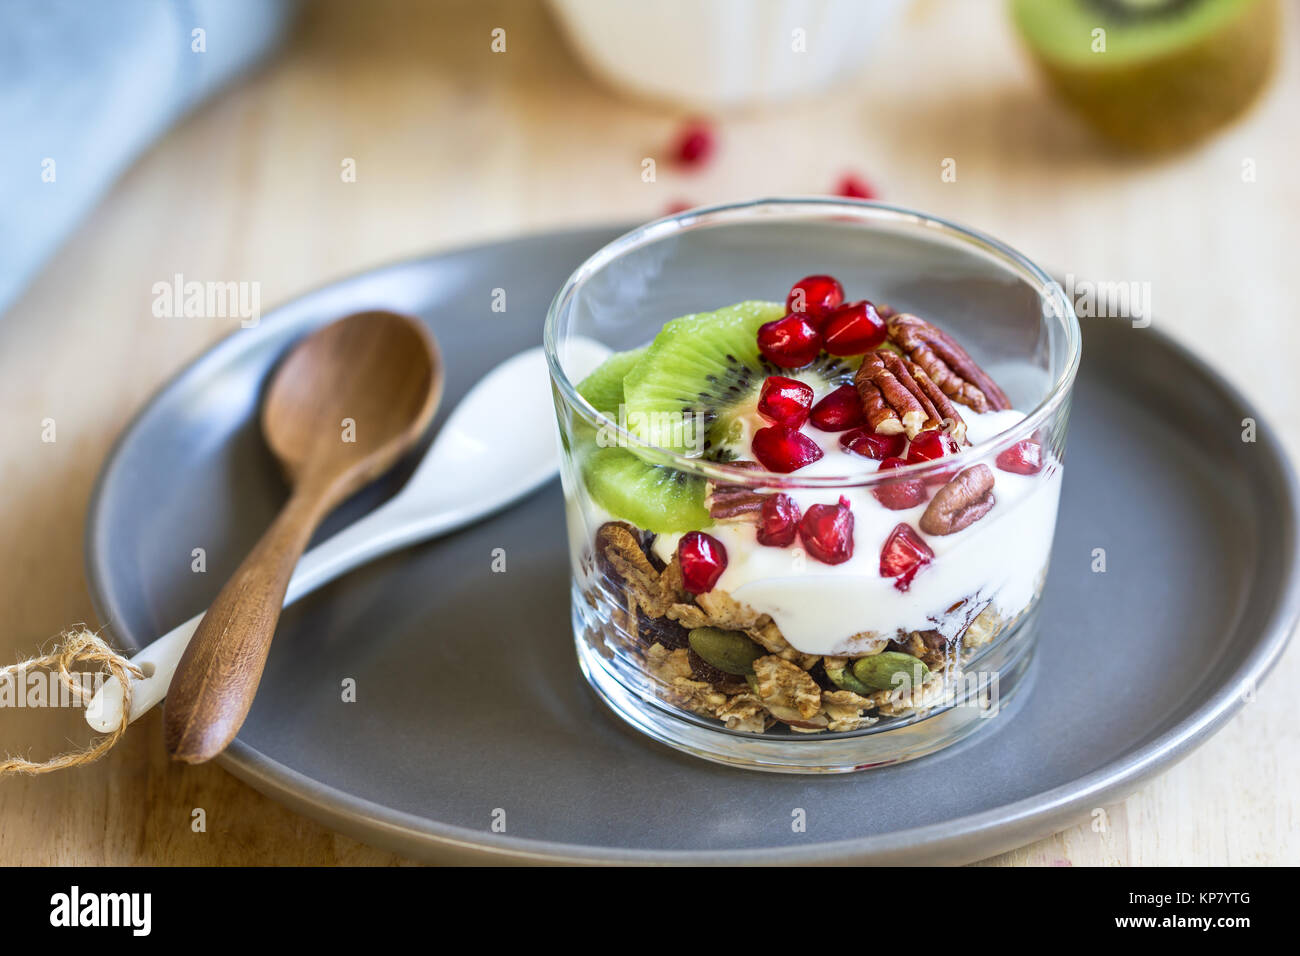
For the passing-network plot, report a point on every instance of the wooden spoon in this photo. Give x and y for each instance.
(342, 408)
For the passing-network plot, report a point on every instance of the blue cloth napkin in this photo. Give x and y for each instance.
(86, 85)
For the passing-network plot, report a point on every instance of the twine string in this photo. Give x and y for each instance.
(76, 647)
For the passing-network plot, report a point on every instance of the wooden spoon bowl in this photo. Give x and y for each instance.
(343, 406)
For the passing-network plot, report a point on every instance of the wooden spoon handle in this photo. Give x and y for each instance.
(218, 674)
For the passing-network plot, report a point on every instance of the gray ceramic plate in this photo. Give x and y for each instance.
(469, 697)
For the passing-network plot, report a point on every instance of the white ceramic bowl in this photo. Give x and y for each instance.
(715, 54)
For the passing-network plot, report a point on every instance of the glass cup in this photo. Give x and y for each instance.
(799, 657)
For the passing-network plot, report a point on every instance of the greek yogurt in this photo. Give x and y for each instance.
(842, 609)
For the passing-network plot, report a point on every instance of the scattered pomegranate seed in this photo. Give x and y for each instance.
(853, 329)
(817, 296)
(778, 521)
(676, 206)
(827, 532)
(1022, 458)
(839, 410)
(931, 446)
(782, 449)
(852, 186)
(865, 442)
(703, 559)
(791, 342)
(694, 143)
(785, 401)
(903, 555)
(899, 495)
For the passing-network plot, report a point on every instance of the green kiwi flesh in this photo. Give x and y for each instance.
(652, 497)
(603, 388)
(1171, 72)
(706, 363)
(657, 499)
(706, 368)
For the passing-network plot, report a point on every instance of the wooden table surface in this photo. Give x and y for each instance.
(454, 144)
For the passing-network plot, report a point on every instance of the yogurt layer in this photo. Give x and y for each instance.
(822, 608)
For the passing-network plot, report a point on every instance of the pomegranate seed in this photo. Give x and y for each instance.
(827, 532)
(791, 342)
(899, 495)
(865, 442)
(839, 410)
(778, 521)
(851, 186)
(931, 446)
(703, 559)
(903, 555)
(785, 401)
(694, 143)
(783, 449)
(1022, 458)
(816, 296)
(676, 206)
(853, 329)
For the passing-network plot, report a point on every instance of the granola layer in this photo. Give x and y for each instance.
(787, 688)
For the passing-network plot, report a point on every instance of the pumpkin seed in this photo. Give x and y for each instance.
(843, 678)
(882, 671)
(729, 651)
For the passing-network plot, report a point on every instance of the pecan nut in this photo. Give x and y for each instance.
(960, 503)
(894, 404)
(734, 502)
(947, 364)
(898, 396)
(950, 418)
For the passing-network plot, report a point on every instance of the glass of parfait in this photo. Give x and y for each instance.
(812, 490)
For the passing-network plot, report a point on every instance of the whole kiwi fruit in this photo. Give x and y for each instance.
(1153, 75)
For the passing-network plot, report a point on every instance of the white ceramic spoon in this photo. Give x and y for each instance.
(496, 446)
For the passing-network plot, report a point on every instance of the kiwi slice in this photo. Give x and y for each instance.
(706, 363)
(654, 498)
(706, 370)
(603, 388)
(1171, 71)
